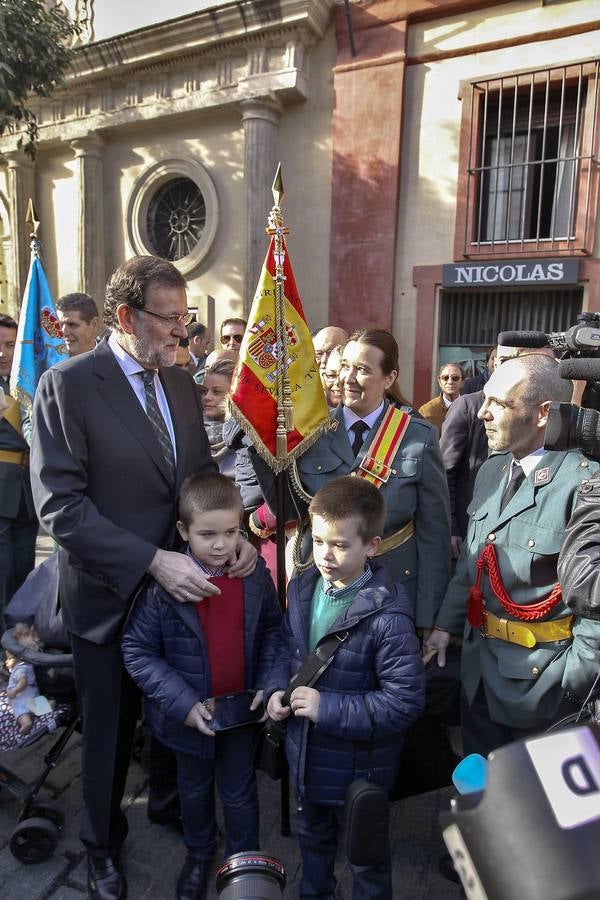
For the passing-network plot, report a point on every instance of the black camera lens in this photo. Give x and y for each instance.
(250, 875)
(573, 427)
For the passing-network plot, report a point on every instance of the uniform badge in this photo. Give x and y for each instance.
(333, 424)
(541, 476)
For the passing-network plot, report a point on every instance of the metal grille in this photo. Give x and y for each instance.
(531, 159)
(475, 318)
(176, 218)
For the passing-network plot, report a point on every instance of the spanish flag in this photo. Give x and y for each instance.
(253, 397)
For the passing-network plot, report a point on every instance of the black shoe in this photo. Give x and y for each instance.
(446, 868)
(168, 821)
(105, 880)
(191, 884)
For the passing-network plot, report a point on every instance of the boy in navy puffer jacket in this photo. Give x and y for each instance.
(352, 724)
(181, 654)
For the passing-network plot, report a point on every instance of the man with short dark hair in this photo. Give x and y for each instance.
(18, 522)
(524, 657)
(116, 431)
(78, 317)
(199, 339)
(8, 342)
(232, 333)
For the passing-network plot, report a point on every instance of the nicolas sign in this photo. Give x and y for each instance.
(503, 274)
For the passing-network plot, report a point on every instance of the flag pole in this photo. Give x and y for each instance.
(277, 228)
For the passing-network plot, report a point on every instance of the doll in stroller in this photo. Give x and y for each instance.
(33, 609)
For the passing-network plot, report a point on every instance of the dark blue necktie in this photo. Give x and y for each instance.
(157, 421)
(359, 428)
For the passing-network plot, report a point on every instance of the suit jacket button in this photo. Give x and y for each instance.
(531, 542)
(491, 536)
(535, 671)
(407, 572)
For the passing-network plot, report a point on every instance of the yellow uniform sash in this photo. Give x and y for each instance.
(376, 464)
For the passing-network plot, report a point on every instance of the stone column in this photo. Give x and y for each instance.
(91, 276)
(261, 131)
(21, 178)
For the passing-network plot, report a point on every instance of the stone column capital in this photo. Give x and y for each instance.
(90, 144)
(267, 108)
(17, 159)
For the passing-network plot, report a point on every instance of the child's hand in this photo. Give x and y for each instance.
(305, 702)
(197, 717)
(274, 708)
(256, 701)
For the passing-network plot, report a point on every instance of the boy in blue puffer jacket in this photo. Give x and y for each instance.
(181, 654)
(352, 724)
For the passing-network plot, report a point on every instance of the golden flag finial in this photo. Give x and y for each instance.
(277, 188)
(31, 219)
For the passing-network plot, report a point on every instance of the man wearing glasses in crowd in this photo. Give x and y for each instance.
(450, 379)
(116, 431)
(232, 332)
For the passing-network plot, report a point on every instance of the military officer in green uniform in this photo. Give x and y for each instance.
(416, 545)
(18, 522)
(526, 660)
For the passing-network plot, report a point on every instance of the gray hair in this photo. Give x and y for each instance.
(127, 286)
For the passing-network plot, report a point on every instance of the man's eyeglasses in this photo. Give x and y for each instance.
(172, 321)
(450, 378)
(225, 338)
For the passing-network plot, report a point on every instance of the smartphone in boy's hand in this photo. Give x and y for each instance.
(233, 710)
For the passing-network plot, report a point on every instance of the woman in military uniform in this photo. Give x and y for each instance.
(373, 435)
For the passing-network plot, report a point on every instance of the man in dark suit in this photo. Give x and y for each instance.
(18, 522)
(464, 449)
(116, 431)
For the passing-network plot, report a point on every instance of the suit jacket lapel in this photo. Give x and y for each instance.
(119, 395)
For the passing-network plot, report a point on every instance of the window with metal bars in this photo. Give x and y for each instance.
(529, 163)
(475, 318)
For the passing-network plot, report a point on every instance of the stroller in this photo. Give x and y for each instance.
(41, 820)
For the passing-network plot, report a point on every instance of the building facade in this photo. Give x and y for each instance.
(441, 180)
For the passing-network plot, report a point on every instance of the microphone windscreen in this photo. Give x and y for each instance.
(584, 369)
(529, 339)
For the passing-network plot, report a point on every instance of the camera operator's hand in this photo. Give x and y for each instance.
(305, 702)
(256, 702)
(276, 711)
(436, 642)
(197, 717)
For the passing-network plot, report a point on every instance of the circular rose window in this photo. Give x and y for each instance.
(176, 218)
(173, 213)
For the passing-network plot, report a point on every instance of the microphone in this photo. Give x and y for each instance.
(581, 369)
(528, 339)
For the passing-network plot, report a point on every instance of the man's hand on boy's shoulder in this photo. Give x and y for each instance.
(198, 717)
(305, 702)
(244, 561)
(276, 711)
(180, 576)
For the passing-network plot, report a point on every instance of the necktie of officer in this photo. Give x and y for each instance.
(157, 421)
(359, 428)
(517, 476)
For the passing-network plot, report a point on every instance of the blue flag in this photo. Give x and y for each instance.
(39, 336)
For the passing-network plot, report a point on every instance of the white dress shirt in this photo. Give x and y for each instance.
(131, 369)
